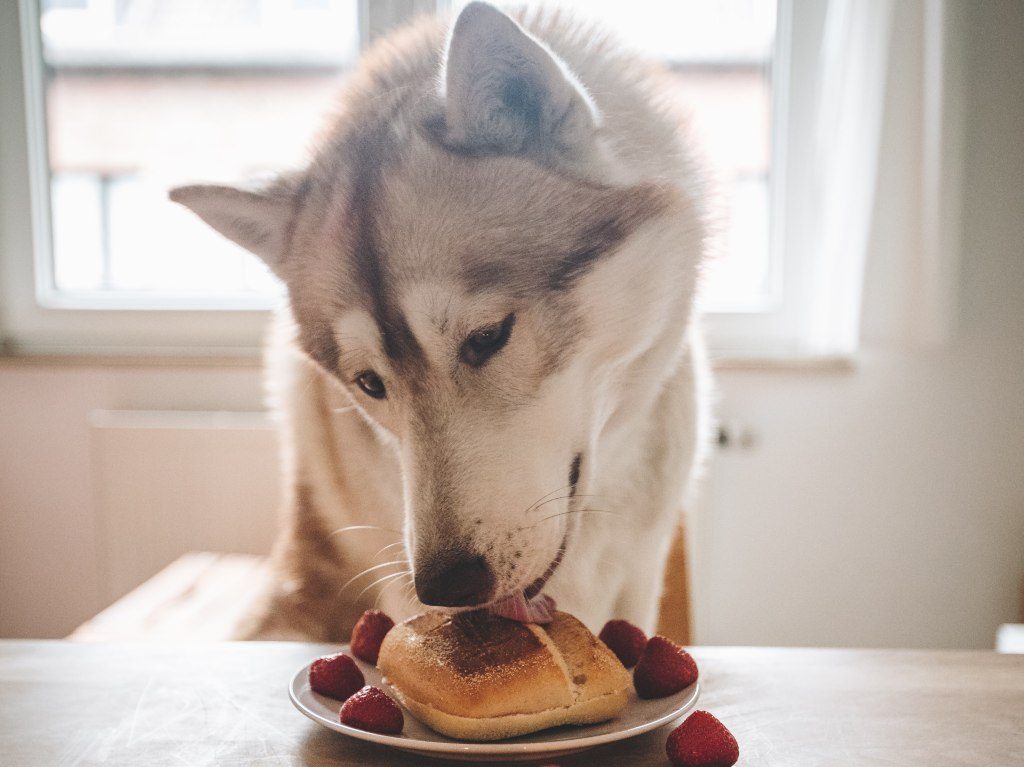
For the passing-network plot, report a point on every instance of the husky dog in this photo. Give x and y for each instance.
(490, 346)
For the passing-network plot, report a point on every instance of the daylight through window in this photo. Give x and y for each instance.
(143, 94)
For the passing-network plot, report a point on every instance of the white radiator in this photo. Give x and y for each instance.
(170, 482)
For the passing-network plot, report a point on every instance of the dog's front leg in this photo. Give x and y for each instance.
(640, 597)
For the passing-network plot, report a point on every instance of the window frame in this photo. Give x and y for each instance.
(36, 318)
(774, 331)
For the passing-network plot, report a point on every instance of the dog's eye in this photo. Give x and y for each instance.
(370, 383)
(482, 344)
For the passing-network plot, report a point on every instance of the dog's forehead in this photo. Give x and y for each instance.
(441, 310)
(463, 218)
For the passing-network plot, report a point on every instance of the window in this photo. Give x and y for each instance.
(139, 94)
(123, 98)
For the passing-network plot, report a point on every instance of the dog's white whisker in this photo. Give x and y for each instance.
(580, 511)
(387, 577)
(408, 594)
(350, 528)
(407, 573)
(563, 497)
(549, 493)
(389, 546)
(387, 586)
(369, 570)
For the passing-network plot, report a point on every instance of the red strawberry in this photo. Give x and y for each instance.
(336, 676)
(702, 741)
(625, 640)
(368, 633)
(371, 709)
(664, 668)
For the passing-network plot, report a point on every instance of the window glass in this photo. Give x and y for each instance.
(144, 93)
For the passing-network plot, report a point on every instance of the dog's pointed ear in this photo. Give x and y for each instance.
(506, 92)
(258, 219)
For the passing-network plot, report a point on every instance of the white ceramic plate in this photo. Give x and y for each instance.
(639, 716)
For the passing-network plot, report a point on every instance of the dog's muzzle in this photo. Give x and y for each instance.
(455, 579)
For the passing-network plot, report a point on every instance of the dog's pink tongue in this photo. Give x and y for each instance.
(540, 609)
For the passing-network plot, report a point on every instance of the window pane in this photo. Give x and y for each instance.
(145, 93)
(77, 197)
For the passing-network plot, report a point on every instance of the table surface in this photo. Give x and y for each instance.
(71, 703)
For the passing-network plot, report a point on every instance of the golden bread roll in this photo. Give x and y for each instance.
(478, 676)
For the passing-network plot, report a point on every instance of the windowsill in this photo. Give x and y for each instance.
(784, 363)
(242, 358)
(166, 357)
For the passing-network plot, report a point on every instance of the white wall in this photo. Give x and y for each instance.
(885, 507)
(54, 571)
(882, 506)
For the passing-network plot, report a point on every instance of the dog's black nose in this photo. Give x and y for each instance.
(455, 580)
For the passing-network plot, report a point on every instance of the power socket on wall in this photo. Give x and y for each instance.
(732, 435)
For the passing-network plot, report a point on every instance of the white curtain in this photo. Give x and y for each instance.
(883, 102)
